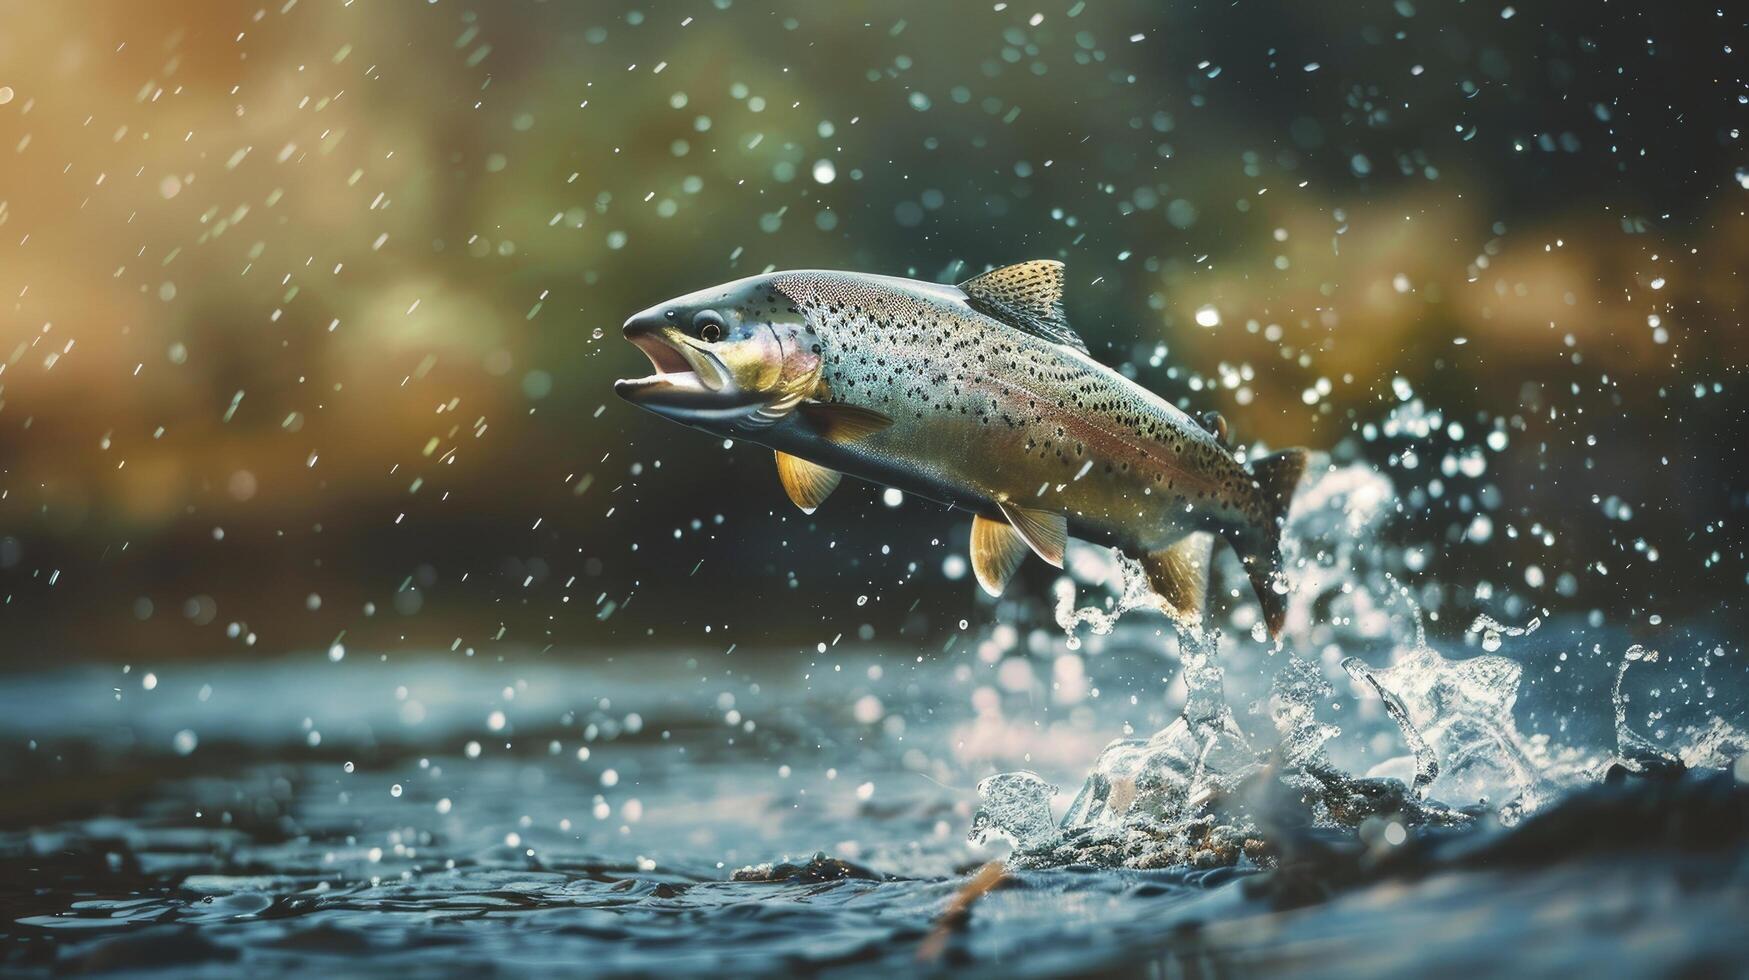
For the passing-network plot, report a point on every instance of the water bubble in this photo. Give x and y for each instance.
(395, 790)
(185, 741)
(868, 710)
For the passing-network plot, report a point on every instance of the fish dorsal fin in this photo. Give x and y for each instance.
(808, 484)
(1027, 296)
(1179, 576)
(997, 551)
(1046, 533)
(839, 422)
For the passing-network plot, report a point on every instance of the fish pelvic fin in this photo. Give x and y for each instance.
(1045, 532)
(1179, 576)
(841, 423)
(808, 484)
(997, 551)
(1259, 546)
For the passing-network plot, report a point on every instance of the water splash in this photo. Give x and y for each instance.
(1493, 630)
(1145, 801)
(1193, 792)
(1635, 751)
(1133, 592)
(1293, 704)
(1016, 806)
(1456, 717)
(1426, 762)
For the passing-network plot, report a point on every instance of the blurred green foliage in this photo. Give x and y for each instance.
(311, 308)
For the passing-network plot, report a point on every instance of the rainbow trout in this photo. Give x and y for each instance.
(979, 396)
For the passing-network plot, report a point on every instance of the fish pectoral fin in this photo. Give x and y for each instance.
(1027, 296)
(808, 484)
(1179, 576)
(839, 422)
(1045, 532)
(997, 551)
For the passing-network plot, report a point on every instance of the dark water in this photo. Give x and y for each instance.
(258, 850)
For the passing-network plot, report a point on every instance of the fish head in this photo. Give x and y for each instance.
(727, 358)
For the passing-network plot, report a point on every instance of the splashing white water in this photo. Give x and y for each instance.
(1133, 593)
(1158, 800)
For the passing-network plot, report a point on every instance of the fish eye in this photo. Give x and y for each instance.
(709, 326)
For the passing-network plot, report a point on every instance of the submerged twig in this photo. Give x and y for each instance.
(959, 909)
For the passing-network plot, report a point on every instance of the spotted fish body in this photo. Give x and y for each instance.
(980, 396)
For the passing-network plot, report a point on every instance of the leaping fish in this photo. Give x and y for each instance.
(979, 396)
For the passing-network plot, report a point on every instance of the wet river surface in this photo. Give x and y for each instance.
(671, 813)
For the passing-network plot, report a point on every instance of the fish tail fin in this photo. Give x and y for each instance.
(1259, 546)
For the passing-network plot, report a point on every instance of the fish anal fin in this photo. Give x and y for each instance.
(1045, 532)
(1179, 576)
(808, 484)
(839, 422)
(997, 551)
(1027, 296)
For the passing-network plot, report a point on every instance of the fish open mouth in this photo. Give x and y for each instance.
(679, 365)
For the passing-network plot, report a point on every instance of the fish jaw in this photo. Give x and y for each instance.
(678, 360)
(690, 385)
